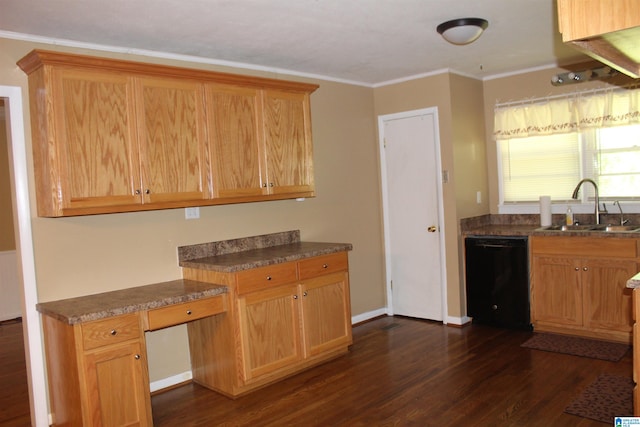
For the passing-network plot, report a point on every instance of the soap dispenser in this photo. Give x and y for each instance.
(569, 216)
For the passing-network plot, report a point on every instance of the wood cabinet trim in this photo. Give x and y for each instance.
(39, 57)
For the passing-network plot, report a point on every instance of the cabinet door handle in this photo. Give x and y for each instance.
(147, 191)
(295, 297)
(188, 312)
(577, 268)
(325, 265)
(113, 332)
(585, 268)
(271, 184)
(264, 185)
(137, 191)
(136, 356)
(268, 277)
(305, 294)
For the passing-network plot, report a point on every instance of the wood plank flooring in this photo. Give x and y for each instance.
(14, 394)
(400, 372)
(407, 372)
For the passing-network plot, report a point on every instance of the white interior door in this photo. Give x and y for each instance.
(412, 200)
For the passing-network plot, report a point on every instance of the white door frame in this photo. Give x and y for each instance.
(31, 319)
(385, 202)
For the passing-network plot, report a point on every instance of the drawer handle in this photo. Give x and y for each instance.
(325, 266)
(137, 357)
(113, 332)
(268, 277)
(188, 312)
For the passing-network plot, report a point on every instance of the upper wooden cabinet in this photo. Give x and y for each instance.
(118, 136)
(260, 142)
(605, 30)
(171, 133)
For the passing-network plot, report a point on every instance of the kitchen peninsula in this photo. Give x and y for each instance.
(257, 309)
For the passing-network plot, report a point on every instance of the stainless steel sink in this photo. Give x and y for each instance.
(623, 228)
(593, 227)
(568, 228)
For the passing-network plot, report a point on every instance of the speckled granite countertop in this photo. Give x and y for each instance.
(229, 256)
(529, 225)
(634, 282)
(131, 300)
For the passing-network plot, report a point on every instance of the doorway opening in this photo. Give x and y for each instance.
(32, 332)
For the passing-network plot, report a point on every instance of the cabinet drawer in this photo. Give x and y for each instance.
(257, 279)
(607, 247)
(110, 331)
(324, 264)
(177, 314)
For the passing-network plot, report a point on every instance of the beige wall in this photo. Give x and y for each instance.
(86, 255)
(533, 84)
(7, 237)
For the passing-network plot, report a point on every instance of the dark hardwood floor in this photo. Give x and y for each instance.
(14, 394)
(406, 372)
(400, 372)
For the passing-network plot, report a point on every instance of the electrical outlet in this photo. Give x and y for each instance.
(192, 213)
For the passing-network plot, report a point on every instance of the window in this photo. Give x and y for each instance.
(553, 164)
(546, 146)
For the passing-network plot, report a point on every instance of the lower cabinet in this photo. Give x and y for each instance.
(281, 319)
(579, 285)
(98, 372)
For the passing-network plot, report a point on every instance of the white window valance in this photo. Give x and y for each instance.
(570, 113)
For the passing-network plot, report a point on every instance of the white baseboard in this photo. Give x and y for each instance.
(171, 381)
(458, 321)
(369, 315)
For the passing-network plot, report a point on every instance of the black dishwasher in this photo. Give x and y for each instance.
(497, 281)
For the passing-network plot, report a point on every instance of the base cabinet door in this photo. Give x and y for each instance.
(116, 390)
(270, 331)
(607, 300)
(557, 292)
(326, 313)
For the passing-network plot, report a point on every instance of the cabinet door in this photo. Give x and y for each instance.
(95, 137)
(171, 131)
(607, 300)
(269, 330)
(236, 144)
(326, 313)
(556, 291)
(287, 134)
(117, 386)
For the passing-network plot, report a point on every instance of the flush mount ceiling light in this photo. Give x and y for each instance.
(463, 30)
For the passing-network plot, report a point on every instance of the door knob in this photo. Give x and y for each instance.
(432, 229)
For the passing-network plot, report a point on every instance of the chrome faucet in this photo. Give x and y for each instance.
(595, 186)
(622, 220)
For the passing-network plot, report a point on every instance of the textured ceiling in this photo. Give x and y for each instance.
(368, 42)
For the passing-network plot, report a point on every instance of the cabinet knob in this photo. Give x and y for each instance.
(577, 268)
(136, 356)
(585, 268)
(305, 294)
(295, 297)
(268, 277)
(325, 266)
(113, 332)
(271, 184)
(264, 185)
(147, 191)
(137, 191)
(188, 312)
